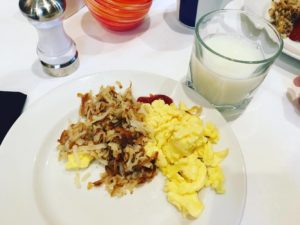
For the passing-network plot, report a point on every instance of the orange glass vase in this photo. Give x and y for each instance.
(119, 15)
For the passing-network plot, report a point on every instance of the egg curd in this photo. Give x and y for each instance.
(185, 153)
(81, 160)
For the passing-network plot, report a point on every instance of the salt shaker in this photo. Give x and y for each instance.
(56, 50)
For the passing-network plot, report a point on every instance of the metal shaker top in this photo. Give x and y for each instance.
(42, 10)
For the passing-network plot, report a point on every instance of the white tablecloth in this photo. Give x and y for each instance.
(268, 131)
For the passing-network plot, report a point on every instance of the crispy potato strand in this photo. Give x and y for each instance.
(111, 132)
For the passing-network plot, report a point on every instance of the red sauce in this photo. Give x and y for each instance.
(295, 34)
(152, 98)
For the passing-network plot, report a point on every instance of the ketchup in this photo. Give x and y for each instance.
(295, 34)
(152, 98)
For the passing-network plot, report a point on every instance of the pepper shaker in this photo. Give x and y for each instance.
(56, 50)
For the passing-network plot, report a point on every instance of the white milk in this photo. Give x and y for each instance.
(222, 81)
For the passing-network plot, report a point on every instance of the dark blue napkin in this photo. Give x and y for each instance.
(11, 106)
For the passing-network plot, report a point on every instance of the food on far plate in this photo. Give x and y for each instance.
(110, 132)
(131, 139)
(285, 16)
(295, 34)
(185, 153)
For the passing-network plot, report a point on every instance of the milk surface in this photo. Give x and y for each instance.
(223, 81)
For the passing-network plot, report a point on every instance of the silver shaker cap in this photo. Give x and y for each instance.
(61, 70)
(42, 10)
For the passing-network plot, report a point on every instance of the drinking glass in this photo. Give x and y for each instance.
(232, 53)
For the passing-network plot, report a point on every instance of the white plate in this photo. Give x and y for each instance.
(261, 7)
(36, 190)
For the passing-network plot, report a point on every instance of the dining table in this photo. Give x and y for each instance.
(268, 131)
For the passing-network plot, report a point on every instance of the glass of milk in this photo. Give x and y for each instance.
(232, 54)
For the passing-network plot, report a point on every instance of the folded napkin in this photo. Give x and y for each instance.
(11, 106)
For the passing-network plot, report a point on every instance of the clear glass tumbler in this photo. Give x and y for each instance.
(232, 54)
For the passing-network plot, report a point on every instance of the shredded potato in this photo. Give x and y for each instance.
(111, 132)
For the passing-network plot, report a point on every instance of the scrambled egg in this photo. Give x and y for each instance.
(80, 160)
(186, 157)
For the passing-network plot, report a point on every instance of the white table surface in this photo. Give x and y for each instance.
(268, 131)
